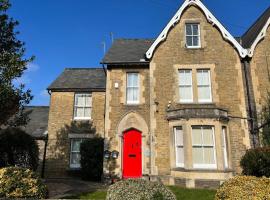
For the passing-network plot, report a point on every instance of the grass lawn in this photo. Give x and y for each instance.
(181, 194)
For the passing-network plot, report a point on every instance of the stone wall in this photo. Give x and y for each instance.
(227, 85)
(61, 114)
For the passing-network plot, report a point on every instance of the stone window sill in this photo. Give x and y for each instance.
(202, 170)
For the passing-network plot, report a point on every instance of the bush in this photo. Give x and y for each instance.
(256, 162)
(92, 159)
(17, 148)
(138, 189)
(244, 187)
(21, 183)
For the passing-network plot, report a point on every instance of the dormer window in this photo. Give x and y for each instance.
(193, 35)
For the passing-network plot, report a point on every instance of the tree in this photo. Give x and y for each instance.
(264, 119)
(12, 65)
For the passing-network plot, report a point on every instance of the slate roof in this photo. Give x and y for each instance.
(81, 79)
(38, 121)
(250, 36)
(128, 51)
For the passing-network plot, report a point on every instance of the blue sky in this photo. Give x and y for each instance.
(69, 33)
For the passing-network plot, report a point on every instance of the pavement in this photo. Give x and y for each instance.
(61, 188)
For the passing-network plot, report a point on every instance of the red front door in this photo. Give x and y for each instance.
(132, 154)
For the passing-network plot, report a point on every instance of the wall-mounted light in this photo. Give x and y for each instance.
(114, 154)
(107, 154)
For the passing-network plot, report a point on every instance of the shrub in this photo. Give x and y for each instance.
(244, 187)
(138, 189)
(92, 159)
(17, 148)
(18, 182)
(256, 162)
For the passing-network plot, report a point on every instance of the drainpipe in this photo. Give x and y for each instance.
(249, 93)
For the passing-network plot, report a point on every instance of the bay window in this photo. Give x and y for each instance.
(203, 147)
(179, 146)
(224, 146)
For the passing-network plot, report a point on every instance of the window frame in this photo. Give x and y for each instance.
(192, 35)
(74, 166)
(179, 146)
(130, 102)
(76, 106)
(205, 166)
(224, 146)
(210, 100)
(181, 100)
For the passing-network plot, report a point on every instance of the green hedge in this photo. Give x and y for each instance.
(244, 188)
(92, 159)
(17, 148)
(18, 182)
(256, 162)
(138, 189)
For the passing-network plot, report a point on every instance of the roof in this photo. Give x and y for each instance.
(210, 18)
(128, 51)
(73, 79)
(252, 33)
(38, 121)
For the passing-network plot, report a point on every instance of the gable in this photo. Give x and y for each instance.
(210, 18)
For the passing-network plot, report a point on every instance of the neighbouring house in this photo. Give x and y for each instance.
(180, 107)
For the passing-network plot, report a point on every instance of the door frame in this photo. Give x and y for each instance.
(122, 149)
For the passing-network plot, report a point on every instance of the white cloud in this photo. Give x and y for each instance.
(44, 93)
(26, 77)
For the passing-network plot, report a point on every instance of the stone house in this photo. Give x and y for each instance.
(181, 107)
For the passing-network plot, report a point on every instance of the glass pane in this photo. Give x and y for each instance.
(208, 136)
(79, 112)
(179, 136)
(132, 79)
(80, 100)
(129, 80)
(180, 155)
(135, 94)
(87, 112)
(195, 29)
(129, 94)
(203, 77)
(189, 41)
(196, 136)
(75, 145)
(209, 157)
(185, 77)
(204, 93)
(185, 93)
(88, 100)
(135, 80)
(197, 155)
(195, 41)
(188, 29)
(75, 158)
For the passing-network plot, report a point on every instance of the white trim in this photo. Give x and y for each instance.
(205, 166)
(175, 147)
(199, 36)
(225, 151)
(261, 35)
(211, 19)
(179, 86)
(210, 86)
(82, 118)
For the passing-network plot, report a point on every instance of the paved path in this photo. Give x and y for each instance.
(59, 188)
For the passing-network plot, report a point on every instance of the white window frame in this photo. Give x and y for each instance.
(225, 147)
(210, 86)
(181, 100)
(130, 102)
(179, 146)
(205, 166)
(192, 35)
(74, 166)
(76, 106)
